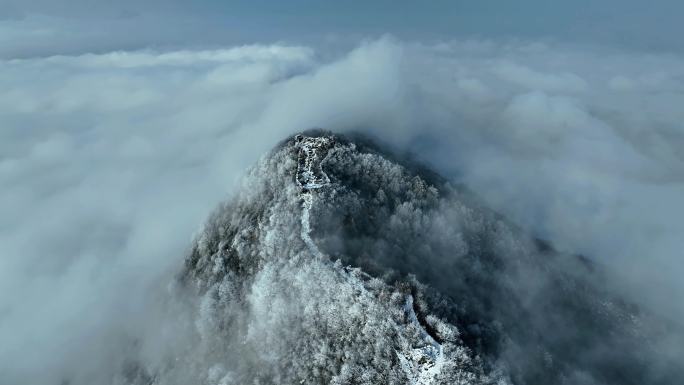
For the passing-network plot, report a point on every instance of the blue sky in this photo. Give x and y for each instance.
(86, 26)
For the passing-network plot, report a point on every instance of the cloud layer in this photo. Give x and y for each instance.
(42, 27)
(109, 163)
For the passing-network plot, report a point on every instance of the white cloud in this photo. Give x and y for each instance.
(109, 162)
(564, 148)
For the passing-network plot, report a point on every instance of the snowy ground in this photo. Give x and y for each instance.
(421, 364)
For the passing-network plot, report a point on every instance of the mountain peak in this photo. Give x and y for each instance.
(339, 263)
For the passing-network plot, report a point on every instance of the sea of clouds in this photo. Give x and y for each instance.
(110, 162)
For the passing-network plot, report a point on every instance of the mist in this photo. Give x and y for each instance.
(111, 161)
(30, 28)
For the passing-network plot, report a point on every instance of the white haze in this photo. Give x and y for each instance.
(110, 162)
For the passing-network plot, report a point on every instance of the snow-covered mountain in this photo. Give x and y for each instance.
(342, 263)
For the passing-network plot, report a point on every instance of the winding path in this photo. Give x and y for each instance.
(310, 176)
(421, 365)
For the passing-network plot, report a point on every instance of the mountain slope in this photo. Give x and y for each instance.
(340, 263)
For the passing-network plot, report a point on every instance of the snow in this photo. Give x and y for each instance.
(310, 176)
(421, 364)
